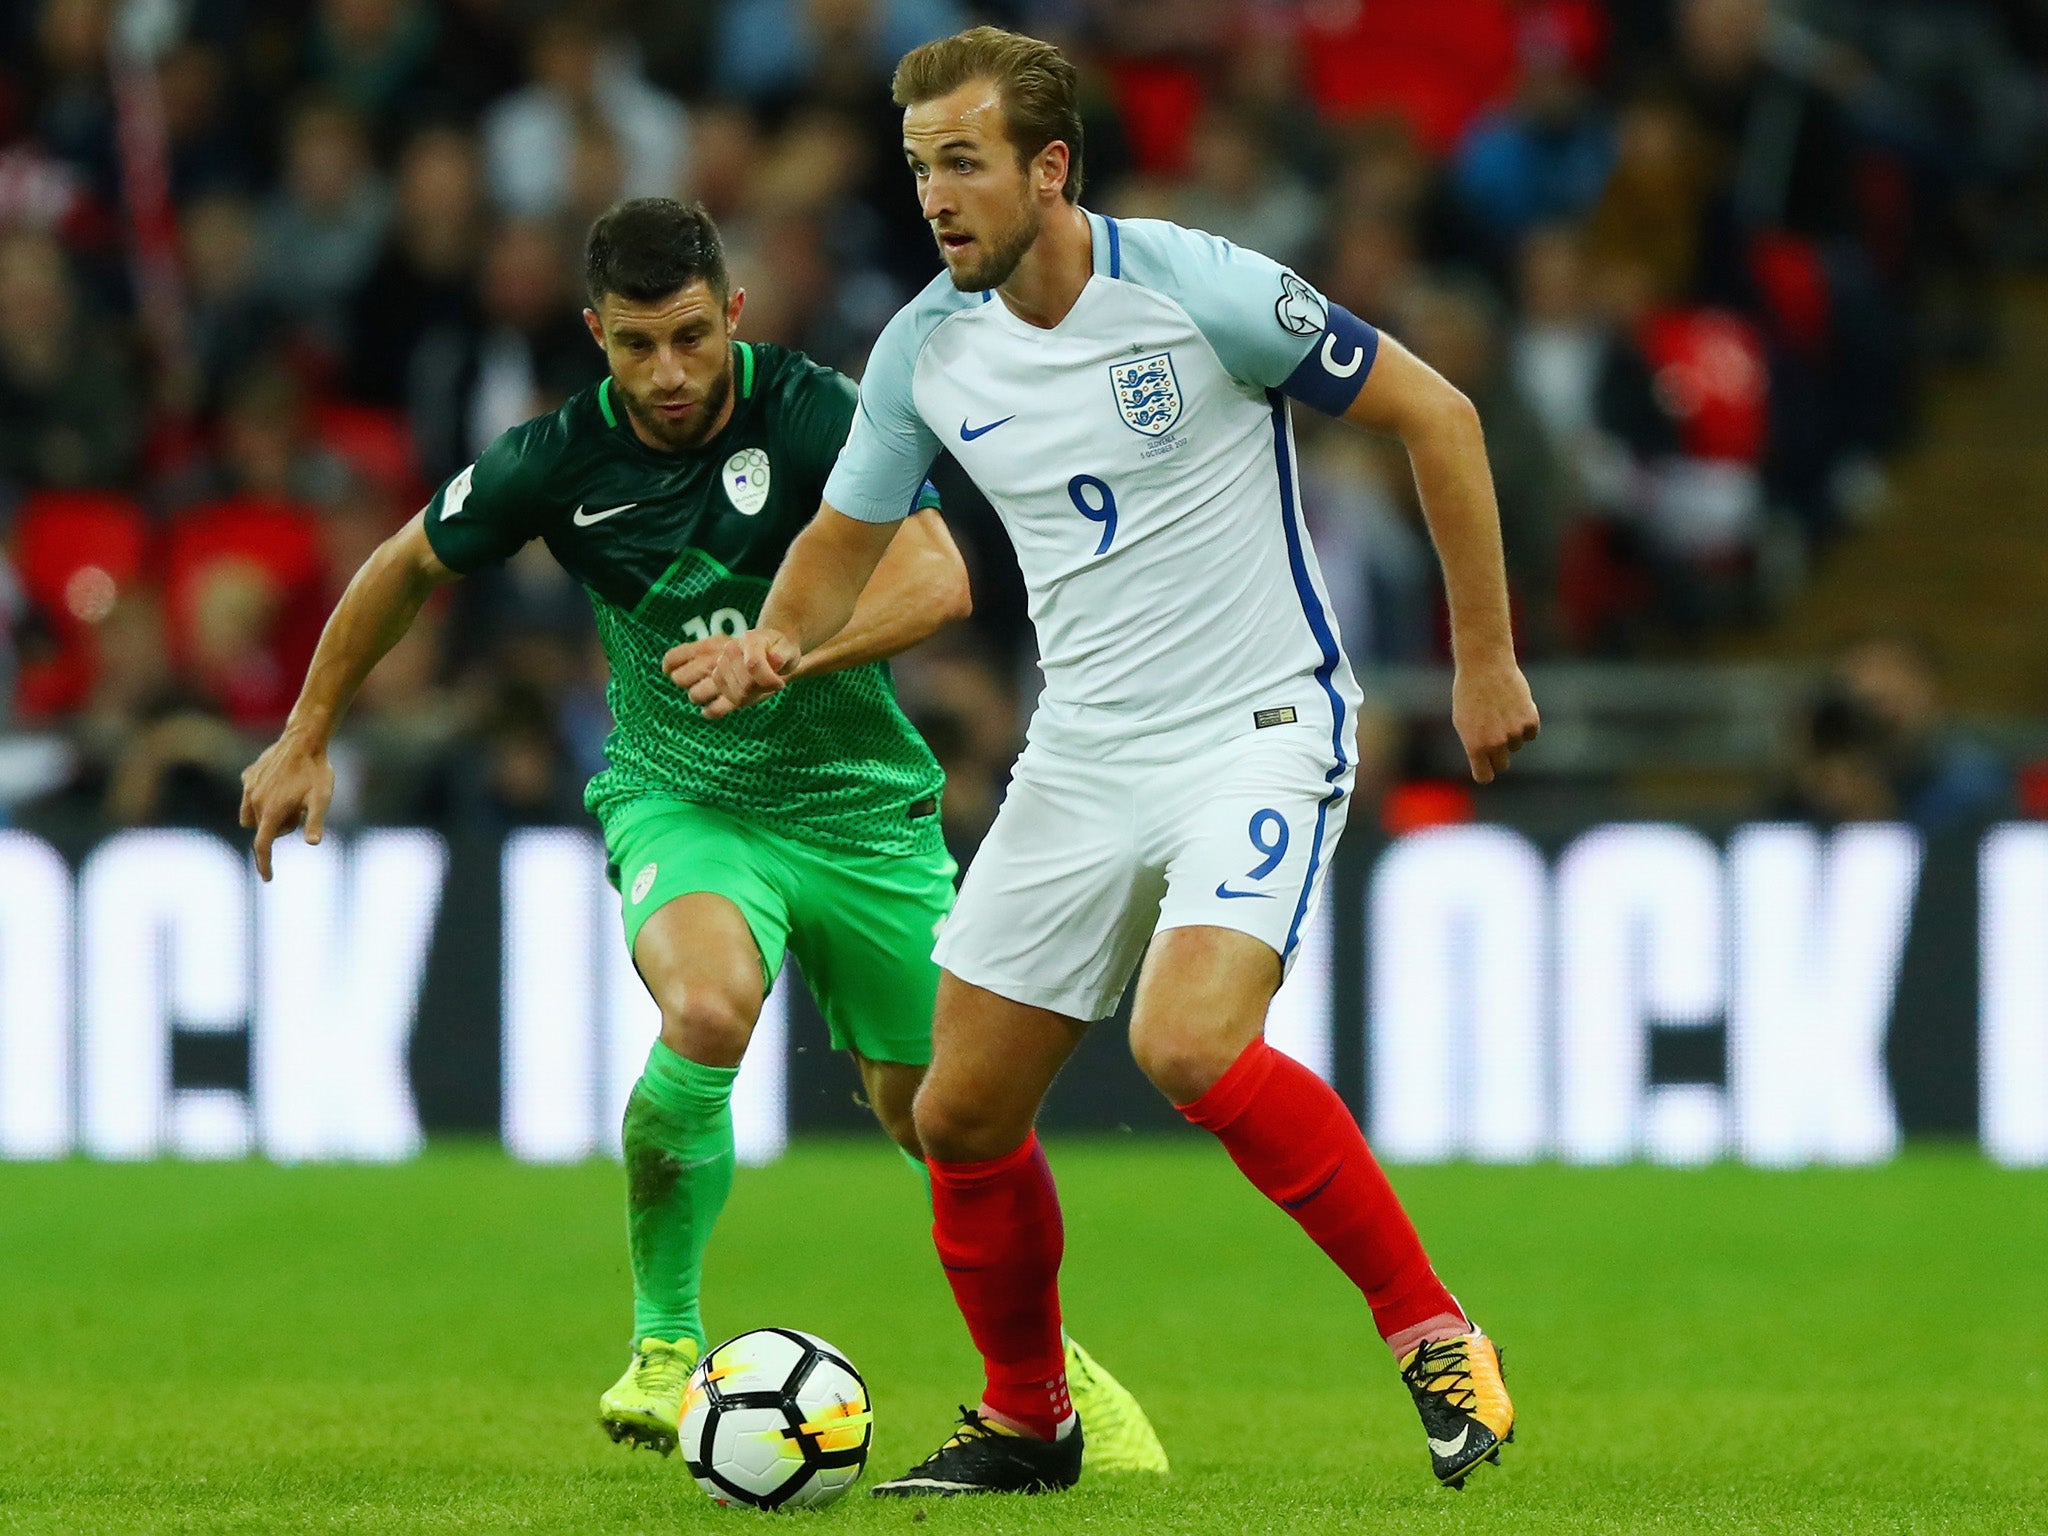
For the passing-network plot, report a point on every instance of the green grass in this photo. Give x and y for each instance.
(242, 1348)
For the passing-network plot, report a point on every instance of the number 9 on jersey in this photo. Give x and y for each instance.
(1095, 501)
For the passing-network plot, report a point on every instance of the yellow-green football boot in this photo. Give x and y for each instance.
(1120, 1437)
(644, 1406)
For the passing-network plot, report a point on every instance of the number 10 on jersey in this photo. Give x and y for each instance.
(1095, 501)
(729, 622)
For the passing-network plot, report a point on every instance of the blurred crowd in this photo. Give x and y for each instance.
(271, 269)
(1877, 743)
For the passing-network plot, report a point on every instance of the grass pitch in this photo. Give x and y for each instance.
(240, 1348)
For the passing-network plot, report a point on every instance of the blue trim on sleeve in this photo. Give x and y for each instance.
(1337, 366)
(1326, 642)
(1116, 249)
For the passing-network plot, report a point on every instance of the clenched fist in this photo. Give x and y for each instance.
(722, 675)
(1494, 715)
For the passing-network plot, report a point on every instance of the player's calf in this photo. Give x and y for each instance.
(891, 1089)
(1295, 1139)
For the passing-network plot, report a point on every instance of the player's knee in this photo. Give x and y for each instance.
(899, 1123)
(1181, 1063)
(708, 1026)
(951, 1128)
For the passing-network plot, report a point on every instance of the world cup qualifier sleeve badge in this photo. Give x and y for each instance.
(1147, 393)
(1300, 310)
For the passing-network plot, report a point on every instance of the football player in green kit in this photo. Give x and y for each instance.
(670, 491)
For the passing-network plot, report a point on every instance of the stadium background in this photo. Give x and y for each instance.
(1751, 299)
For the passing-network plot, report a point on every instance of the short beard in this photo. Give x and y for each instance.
(681, 436)
(994, 268)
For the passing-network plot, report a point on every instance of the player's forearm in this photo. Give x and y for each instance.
(381, 602)
(919, 587)
(1436, 423)
(822, 577)
(1448, 452)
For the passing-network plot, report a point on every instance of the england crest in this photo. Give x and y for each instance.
(1147, 393)
(746, 480)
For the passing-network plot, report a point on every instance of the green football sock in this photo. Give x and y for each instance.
(679, 1165)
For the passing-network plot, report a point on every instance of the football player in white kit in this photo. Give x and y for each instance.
(1120, 390)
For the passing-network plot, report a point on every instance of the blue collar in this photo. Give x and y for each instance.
(1109, 246)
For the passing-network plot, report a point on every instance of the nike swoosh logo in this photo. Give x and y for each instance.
(1451, 1447)
(584, 519)
(969, 434)
(1223, 889)
(1295, 1205)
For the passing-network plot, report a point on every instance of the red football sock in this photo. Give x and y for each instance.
(1292, 1137)
(998, 1229)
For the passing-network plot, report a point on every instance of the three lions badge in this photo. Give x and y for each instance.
(1147, 393)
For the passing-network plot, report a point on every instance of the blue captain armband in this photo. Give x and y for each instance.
(1334, 371)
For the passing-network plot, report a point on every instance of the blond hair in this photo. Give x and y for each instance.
(1040, 89)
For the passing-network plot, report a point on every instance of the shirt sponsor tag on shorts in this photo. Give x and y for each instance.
(1265, 717)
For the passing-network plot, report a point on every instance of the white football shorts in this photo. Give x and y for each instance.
(1087, 860)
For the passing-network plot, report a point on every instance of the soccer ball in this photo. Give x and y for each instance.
(776, 1419)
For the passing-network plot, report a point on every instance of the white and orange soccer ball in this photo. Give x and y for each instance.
(776, 1419)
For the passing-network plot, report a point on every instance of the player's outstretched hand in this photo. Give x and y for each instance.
(290, 785)
(1494, 714)
(743, 671)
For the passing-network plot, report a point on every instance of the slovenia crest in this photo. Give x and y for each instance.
(1147, 393)
(746, 480)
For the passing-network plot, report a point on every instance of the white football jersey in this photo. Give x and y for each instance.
(1140, 455)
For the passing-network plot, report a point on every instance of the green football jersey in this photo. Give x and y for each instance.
(681, 546)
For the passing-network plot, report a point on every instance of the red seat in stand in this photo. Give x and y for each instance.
(75, 552)
(281, 541)
(58, 535)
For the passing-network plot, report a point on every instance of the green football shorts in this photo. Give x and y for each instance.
(860, 924)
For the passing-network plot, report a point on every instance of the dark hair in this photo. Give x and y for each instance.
(1040, 88)
(645, 249)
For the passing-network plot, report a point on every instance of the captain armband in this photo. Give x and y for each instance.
(1334, 371)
